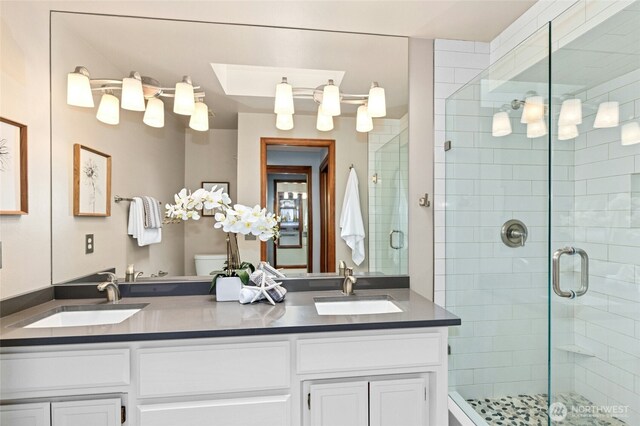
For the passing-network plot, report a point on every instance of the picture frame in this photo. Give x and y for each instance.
(91, 182)
(209, 186)
(14, 188)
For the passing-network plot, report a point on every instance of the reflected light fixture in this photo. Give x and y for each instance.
(364, 123)
(608, 115)
(295, 195)
(501, 125)
(132, 94)
(329, 98)
(536, 129)
(570, 112)
(285, 195)
(109, 109)
(200, 118)
(324, 122)
(533, 110)
(630, 133)
(79, 88)
(284, 121)
(154, 114)
(304, 195)
(284, 98)
(567, 131)
(134, 90)
(377, 104)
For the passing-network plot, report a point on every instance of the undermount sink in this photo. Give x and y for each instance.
(83, 315)
(356, 305)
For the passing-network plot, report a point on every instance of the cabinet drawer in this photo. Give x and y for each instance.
(195, 370)
(367, 353)
(259, 411)
(44, 371)
(26, 414)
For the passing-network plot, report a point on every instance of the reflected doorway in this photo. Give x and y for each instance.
(298, 182)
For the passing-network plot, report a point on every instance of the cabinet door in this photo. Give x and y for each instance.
(98, 412)
(339, 404)
(398, 402)
(26, 414)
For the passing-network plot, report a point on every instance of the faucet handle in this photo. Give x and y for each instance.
(348, 272)
(110, 276)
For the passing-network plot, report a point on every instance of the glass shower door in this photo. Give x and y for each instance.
(389, 207)
(595, 233)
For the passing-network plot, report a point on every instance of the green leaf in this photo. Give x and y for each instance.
(243, 274)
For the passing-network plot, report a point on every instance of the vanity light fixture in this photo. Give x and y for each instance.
(134, 90)
(295, 195)
(364, 122)
(284, 121)
(109, 109)
(329, 98)
(501, 125)
(630, 133)
(285, 195)
(536, 129)
(570, 112)
(304, 196)
(608, 115)
(533, 110)
(324, 122)
(567, 131)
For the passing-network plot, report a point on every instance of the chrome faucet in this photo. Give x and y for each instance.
(342, 268)
(111, 287)
(349, 282)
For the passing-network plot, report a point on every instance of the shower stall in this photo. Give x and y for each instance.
(543, 228)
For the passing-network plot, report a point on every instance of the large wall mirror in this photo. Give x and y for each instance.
(237, 67)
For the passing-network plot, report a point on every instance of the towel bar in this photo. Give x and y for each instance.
(118, 198)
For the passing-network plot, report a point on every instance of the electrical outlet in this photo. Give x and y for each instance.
(89, 243)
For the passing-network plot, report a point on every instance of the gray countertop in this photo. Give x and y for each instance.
(184, 317)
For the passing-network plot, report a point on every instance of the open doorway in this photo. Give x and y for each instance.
(298, 180)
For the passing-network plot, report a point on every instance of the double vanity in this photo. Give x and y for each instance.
(378, 357)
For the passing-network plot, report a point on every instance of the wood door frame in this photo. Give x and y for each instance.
(322, 185)
(296, 170)
(330, 144)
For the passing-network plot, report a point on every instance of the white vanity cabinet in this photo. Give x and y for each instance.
(395, 402)
(93, 412)
(392, 377)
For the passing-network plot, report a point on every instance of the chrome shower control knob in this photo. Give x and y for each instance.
(514, 233)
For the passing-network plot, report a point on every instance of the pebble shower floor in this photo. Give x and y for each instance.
(531, 410)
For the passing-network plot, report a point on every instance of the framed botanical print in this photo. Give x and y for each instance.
(91, 182)
(209, 186)
(14, 191)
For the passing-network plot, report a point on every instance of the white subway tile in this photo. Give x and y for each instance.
(453, 45)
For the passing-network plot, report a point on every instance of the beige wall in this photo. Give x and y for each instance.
(351, 148)
(24, 97)
(209, 157)
(421, 165)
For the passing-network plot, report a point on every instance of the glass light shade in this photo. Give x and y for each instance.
(304, 195)
(295, 195)
(184, 102)
(533, 109)
(109, 109)
(570, 112)
(284, 121)
(132, 95)
(377, 103)
(324, 122)
(364, 123)
(331, 100)
(200, 118)
(501, 124)
(285, 196)
(567, 131)
(536, 129)
(79, 90)
(154, 114)
(608, 115)
(631, 133)
(284, 99)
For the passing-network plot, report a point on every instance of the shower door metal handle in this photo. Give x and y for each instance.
(401, 239)
(584, 272)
